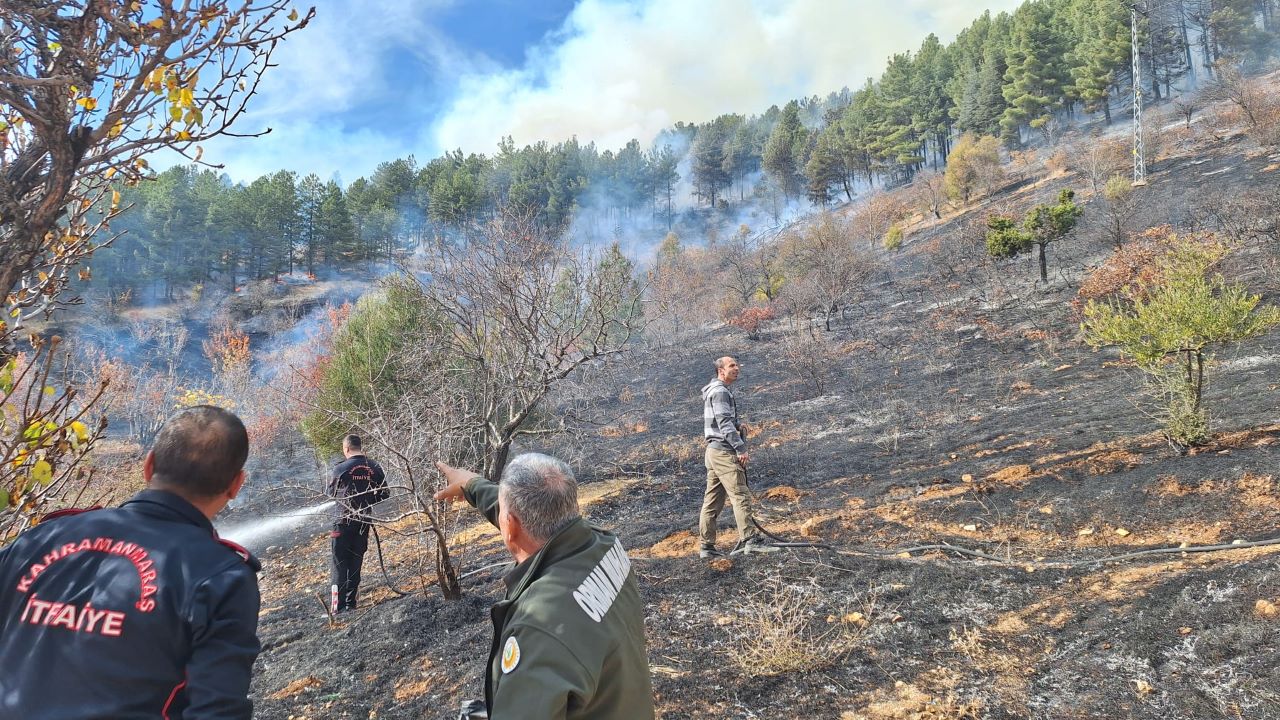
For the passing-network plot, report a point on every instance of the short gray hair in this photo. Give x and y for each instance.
(542, 492)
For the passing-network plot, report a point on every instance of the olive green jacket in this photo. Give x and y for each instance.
(568, 639)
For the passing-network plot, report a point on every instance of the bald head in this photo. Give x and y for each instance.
(199, 452)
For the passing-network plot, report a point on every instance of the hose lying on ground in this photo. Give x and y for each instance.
(377, 540)
(948, 547)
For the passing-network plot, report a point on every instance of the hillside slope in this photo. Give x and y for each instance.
(953, 405)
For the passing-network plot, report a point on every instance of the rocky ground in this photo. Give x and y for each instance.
(954, 405)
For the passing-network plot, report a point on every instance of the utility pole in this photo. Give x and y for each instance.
(1139, 151)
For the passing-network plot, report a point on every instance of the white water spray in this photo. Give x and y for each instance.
(254, 532)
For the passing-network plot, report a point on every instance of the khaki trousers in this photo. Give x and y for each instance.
(725, 480)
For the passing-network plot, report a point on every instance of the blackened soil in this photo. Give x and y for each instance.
(956, 406)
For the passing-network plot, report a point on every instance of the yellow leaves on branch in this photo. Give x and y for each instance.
(179, 91)
(80, 430)
(42, 472)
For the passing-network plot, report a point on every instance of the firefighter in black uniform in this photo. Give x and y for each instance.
(138, 611)
(358, 483)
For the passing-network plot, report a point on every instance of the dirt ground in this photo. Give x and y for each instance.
(957, 407)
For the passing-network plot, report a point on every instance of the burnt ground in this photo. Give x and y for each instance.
(953, 404)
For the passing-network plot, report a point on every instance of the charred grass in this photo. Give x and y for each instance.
(959, 410)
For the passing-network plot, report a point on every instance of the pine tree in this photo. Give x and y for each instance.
(310, 197)
(1102, 53)
(1037, 79)
(826, 167)
(709, 176)
(784, 152)
(336, 230)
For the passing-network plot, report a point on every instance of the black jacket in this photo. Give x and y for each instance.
(358, 484)
(131, 612)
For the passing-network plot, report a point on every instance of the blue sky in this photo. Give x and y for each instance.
(374, 80)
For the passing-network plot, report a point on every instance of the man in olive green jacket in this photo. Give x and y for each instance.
(568, 639)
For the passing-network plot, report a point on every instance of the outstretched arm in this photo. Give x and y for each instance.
(464, 485)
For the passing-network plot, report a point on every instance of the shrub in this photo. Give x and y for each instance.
(750, 318)
(1168, 326)
(784, 629)
(893, 238)
(812, 359)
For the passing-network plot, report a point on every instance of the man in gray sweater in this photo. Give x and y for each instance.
(726, 463)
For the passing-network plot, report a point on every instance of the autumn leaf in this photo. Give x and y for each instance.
(293, 15)
(42, 472)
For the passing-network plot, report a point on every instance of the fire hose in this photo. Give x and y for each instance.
(377, 540)
(948, 547)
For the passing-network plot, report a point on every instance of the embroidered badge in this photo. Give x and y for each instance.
(510, 655)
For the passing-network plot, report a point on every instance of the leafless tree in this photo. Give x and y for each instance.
(676, 300)
(749, 264)
(1120, 203)
(930, 192)
(522, 310)
(1098, 160)
(835, 267)
(873, 219)
(1186, 107)
(1248, 94)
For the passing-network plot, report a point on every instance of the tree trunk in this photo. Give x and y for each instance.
(497, 460)
(1044, 268)
(1199, 378)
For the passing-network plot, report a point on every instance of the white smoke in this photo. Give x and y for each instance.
(620, 70)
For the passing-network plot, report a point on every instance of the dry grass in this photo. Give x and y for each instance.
(781, 629)
(1015, 475)
(785, 493)
(906, 701)
(297, 687)
(624, 429)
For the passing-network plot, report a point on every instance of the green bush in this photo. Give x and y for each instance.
(1168, 326)
(893, 238)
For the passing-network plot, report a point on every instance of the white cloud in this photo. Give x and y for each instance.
(622, 69)
(347, 66)
(324, 147)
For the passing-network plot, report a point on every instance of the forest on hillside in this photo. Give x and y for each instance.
(1013, 80)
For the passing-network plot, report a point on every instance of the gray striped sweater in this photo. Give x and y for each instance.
(720, 418)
